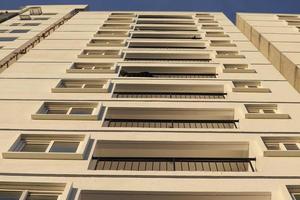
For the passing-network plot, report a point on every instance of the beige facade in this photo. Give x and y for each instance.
(147, 105)
(277, 37)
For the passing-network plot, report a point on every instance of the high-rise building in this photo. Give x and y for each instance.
(277, 37)
(143, 105)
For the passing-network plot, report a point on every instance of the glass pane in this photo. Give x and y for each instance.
(269, 110)
(273, 146)
(66, 147)
(81, 111)
(35, 148)
(10, 195)
(42, 197)
(291, 147)
(5, 39)
(296, 196)
(19, 31)
(57, 111)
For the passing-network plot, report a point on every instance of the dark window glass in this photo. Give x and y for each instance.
(35, 148)
(10, 195)
(4, 39)
(20, 31)
(65, 147)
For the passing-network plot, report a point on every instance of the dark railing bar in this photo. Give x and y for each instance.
(171, 93)
(174, 159)
(170, 120)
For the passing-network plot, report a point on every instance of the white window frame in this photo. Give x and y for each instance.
(42, 114)
(15, 150)
(83, 82)
(262, 114)
(281, 141)
(96, 68)
(257, 87)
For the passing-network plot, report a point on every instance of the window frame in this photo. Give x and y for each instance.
(41, 113)
(107, 85)
(112, 54)
(15, 150)
(112, 68)
(261, 114)
(258, 89)
(281, 141)
(63, 190)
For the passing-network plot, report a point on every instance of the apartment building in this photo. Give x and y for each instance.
(147, 105)
(277, 37)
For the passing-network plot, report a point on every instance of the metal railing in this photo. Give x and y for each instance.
(169, 95)
(174, 164)
(140, 123)
(165, 75)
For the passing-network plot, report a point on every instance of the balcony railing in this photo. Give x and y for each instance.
(169, 95)
(175, 164)
(140, 123)
(166, 75)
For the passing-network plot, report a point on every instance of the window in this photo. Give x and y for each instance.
(146, 117)
(112, 34)
(15, 24)
(7, 39)
(31, 24)
(169, 91)
(211, 27)
(25, 17)
(34, 190)
(68, 111)
(116, 26)
(249, 86)
(20, 31)
(172, 195)
(107, 43)
(229, 54)
(92, 68)
(215, 34)
(287, 146)
(238, 68)
(168, 55)
(100, 54)
(172, 156)
(169, 35)
(168, 72)
(264, 111)
(35, 11)
(167, 44)
(48, 146)
(294, 191)
(221, 43)
(82, 86)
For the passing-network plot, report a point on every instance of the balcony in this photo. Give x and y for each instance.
(216, 156)
(168, 72)
(187, 118)
(169, 91)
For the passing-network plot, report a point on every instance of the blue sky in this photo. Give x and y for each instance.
(229, 7)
